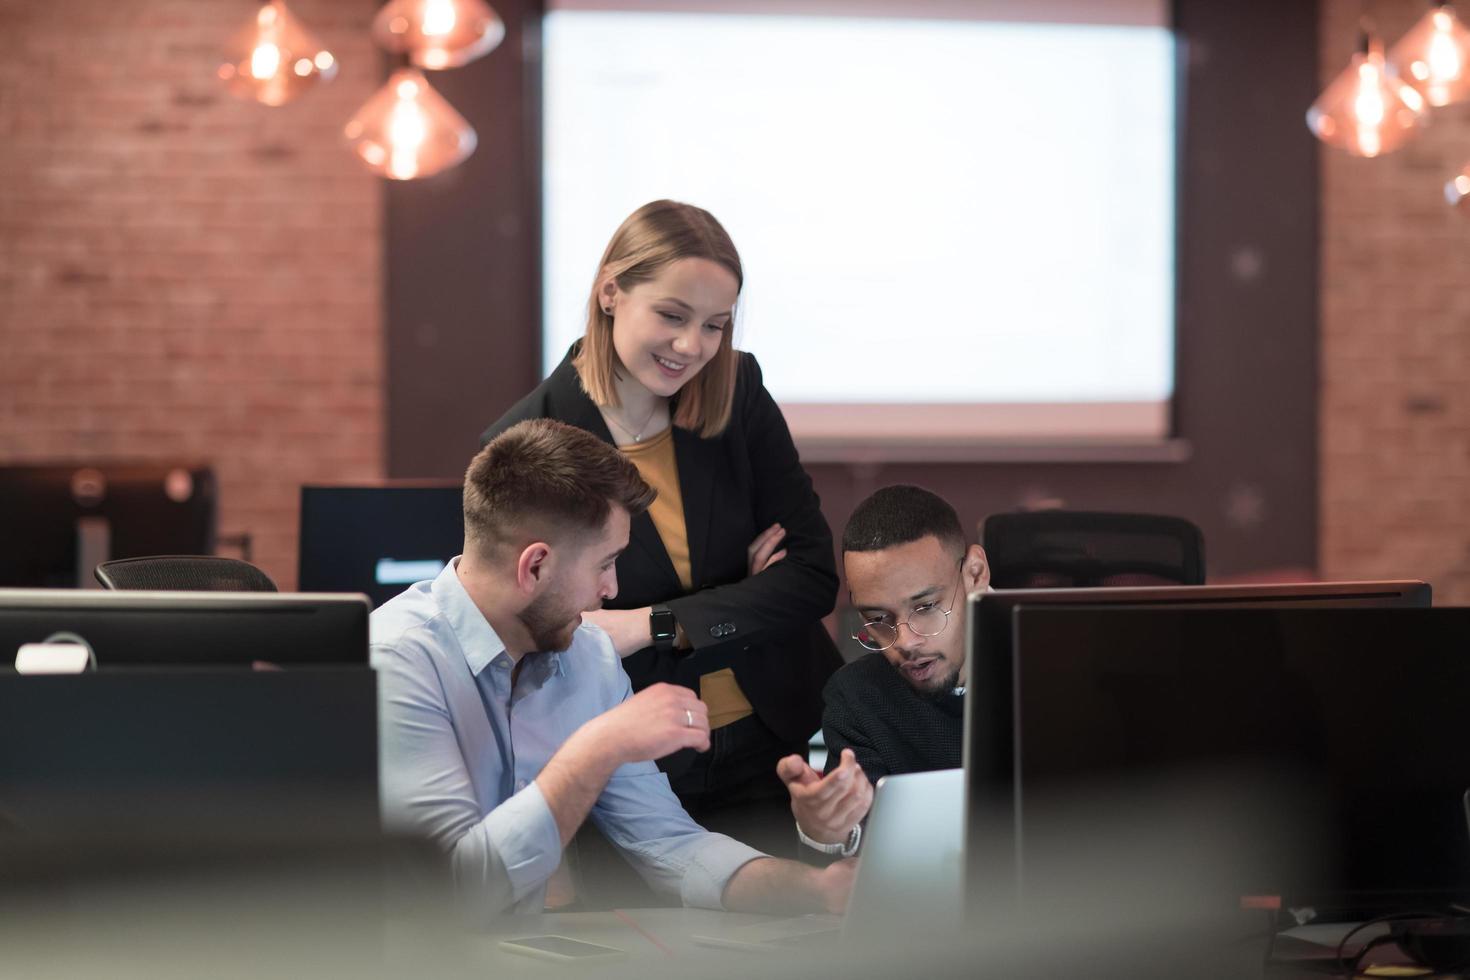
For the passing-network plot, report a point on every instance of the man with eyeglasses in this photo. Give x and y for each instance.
(900, 708)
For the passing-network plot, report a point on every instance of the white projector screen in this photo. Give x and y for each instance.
(954, 230)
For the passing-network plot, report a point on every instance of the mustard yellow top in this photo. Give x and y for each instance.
(656, 463)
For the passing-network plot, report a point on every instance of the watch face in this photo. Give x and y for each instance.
(661, 624)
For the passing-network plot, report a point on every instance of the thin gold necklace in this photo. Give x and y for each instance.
(636, 436)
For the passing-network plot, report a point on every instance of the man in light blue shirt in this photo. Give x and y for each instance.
(506, 721)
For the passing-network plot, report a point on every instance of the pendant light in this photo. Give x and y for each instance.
(274, 58)
(407, 130)
(1434, 56)
(1367, 110)
(438, 33)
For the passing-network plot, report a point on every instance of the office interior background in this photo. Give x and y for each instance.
(187, 277)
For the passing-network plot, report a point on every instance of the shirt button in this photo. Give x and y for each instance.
(520, 785)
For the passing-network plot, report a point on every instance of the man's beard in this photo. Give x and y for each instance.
(941, 685)
(551, 622)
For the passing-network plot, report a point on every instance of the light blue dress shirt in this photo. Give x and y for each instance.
(460, 750)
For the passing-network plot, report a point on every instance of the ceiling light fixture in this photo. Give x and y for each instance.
(274, 59)
(1434, 56)
(1367, 110)
(438, 34)
(407, 130)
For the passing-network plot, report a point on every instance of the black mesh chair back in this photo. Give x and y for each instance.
(184, 573)
(1056, 549)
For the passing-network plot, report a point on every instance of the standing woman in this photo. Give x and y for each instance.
(727, 576)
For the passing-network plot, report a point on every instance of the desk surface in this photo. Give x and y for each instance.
(649, 936)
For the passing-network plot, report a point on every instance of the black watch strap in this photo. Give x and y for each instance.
(662, 628)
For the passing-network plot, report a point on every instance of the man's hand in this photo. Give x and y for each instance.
(827, 807)
(761, 554)
(657, 721)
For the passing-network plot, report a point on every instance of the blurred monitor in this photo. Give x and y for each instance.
(1329, 742)
(989, 752)
(378, 540)
(60, 522)
(189, 753)
(133, 629)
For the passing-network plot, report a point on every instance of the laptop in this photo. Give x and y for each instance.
(910, 871)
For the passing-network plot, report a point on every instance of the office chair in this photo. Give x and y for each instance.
(184, 573)
(1052, 549)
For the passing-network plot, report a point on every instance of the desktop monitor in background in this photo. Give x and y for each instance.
(60, 522)
(143, 629)
(192, 754)
(377, 540)
(989, 752)
(1316, 754)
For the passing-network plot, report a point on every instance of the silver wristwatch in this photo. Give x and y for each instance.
(846, 848)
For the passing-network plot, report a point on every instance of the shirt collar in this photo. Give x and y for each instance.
(478, 640)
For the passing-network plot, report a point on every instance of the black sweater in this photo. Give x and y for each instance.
(889, 726)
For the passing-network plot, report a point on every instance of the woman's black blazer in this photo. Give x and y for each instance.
(766, 627)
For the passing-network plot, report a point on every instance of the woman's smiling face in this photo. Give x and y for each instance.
(668, 328)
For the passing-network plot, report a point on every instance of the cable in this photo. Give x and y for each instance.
(1371, 944)
(68, 637)
(1351, 971)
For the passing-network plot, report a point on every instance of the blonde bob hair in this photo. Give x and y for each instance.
(653, 237)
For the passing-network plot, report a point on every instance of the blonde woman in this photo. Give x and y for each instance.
(726, 578)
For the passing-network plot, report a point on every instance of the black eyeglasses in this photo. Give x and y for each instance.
(927, 620)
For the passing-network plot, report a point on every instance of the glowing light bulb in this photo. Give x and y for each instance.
(438, 18)
(265, 61)
(1457, 191)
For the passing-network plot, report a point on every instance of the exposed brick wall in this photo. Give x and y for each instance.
(1395, 448)
(184, 275)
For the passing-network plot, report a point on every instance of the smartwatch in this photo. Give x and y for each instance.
(661, 627)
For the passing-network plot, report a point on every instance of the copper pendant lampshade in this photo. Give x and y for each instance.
(438, 34)
(1434, 56)
(1367, 110)
(274, 59)
(407, 130)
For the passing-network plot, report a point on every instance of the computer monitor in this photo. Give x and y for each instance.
(1347, 726)
(62, 521)
(989, 751)
(241, 629)
(201, 753)
(377, 540)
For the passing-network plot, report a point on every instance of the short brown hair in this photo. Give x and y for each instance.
(657, 234)
(542, 479)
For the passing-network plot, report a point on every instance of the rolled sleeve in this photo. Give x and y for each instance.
(522, 835)
(710, 869)
(640, 814)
